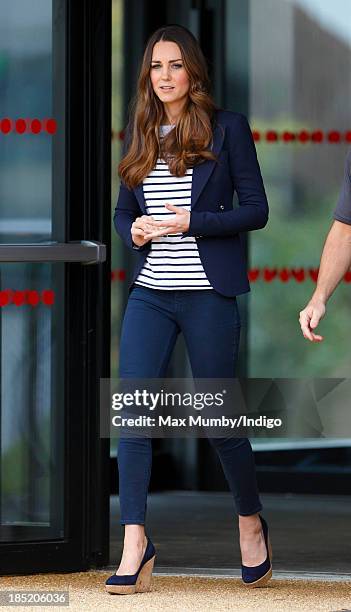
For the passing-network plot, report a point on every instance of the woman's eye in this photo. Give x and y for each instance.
(173, 66)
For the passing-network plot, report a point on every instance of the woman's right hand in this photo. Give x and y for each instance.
(141, 226)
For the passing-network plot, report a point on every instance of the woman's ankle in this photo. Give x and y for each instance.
(134, 534)
(249, 523)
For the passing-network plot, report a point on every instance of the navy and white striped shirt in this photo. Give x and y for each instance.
(172, 262)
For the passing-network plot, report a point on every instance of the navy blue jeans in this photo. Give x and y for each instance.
(210, 323)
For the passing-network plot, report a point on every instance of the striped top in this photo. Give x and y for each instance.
(172, 262)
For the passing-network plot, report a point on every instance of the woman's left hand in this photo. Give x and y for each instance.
(173, 225)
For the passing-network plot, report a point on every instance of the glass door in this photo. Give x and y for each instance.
(54, 284)
(287, 61)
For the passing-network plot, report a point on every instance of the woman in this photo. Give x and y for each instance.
(183, 158)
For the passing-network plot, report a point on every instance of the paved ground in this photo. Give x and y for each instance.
(309, 533)
(195, 535)
(86, 592)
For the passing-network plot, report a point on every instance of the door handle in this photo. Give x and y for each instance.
(83, 251)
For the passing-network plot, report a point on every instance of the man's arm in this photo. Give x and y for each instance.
(335, 261)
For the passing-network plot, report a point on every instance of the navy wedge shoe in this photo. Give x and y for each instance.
(259, 575)
(134, 583)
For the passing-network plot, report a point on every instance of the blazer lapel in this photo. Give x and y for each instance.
(201, 172)
(139, 192)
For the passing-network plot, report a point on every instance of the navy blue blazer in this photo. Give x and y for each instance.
(214, 222)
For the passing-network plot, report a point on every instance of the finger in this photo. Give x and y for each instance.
(145, 218)
(155, 228)
(151, 221)
(176, 209)
(162, 227)
(304, 318)
(315, 320)
(161, 231)
(147, 227)
(305, 325)
(307, 334)
(150, 230)
(169, 221)
(137, 231)
(160, 223)
(307, 338)
(140, 221)
(171, 226)
(156, 234)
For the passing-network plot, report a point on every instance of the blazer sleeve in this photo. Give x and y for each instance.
(252, 212)
(127, 208)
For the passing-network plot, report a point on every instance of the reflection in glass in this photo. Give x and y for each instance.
(32, 406)
(25, 92)
(300, 77)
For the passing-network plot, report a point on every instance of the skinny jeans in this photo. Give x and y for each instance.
(210, 323)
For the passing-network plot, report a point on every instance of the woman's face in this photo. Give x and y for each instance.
(167, 69)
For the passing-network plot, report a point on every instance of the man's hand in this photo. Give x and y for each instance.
(173, 225)
(335, 261)
(309, 319)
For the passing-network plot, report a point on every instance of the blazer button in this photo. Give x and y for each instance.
(221, 206)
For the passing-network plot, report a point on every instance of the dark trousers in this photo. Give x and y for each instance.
(210, 324)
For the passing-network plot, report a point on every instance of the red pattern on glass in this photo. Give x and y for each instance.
(22, 297)
(267, 275)
(28, 125)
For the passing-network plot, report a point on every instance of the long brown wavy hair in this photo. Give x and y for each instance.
(186, 144)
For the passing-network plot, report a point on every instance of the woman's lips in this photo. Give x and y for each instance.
(166, 87)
